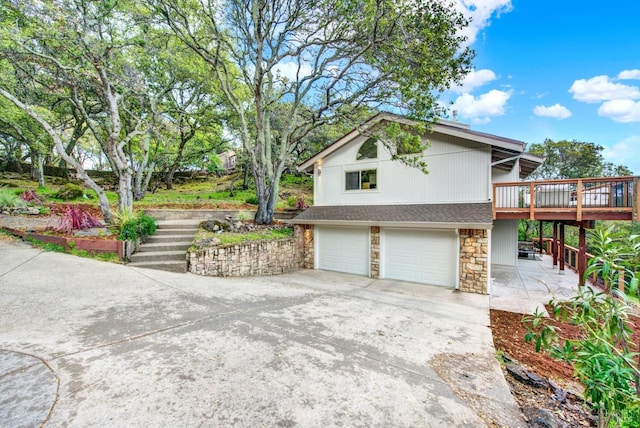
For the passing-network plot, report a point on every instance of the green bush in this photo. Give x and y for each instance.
(9, 199)
(292, 201)
(138, 227)
(69, 192)
(252, 200)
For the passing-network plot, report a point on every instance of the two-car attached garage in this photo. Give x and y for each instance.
(435, 244)
(424, 256)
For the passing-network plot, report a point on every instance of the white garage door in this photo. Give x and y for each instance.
(343, 249)
(425, 256)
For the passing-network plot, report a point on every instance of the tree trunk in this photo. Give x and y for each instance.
(125, 191)
(531, 228)
(57, 140)
(168, 179)
(267, 194)
(40, 167)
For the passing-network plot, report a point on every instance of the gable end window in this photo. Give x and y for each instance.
(361, 180)
(368, 150)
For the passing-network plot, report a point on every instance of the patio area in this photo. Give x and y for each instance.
(531, 284)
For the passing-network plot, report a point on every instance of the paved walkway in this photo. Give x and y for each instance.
(85, 343)
(530, 285)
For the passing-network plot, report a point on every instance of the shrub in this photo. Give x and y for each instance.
(301, 204)
(10, 200)
(31, 197)
(136, 227)
(252, 200)
(243, 216)
(74, 217)
(69, 192)
(292, 201)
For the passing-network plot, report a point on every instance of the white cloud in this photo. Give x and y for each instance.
(555, 111)
(625, 153)
(623, 111)
(291, 71)
(629, 75)
(480, 13)
(475, 79)
(601, 88)
(480, 109)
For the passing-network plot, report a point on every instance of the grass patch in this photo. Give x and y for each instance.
(227, 238)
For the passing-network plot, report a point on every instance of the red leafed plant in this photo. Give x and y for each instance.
(74, 217)
(31, 196)
(301, 204)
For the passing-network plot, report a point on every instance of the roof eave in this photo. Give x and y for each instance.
(400, 224)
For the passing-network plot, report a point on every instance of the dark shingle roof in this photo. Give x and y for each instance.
(464, 213)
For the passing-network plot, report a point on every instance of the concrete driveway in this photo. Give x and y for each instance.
(85, 343)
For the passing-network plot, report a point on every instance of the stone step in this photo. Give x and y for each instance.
(169, 266)
(158, 256)
(176, 245)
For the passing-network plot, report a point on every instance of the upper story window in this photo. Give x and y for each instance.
(368, 150)
(361, 180)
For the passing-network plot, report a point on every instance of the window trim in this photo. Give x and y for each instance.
(368, 140)
(360, 183)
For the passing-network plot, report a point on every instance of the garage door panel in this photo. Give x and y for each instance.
(343, 249)
(421, 256)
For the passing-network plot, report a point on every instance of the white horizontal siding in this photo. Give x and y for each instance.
(458, 172)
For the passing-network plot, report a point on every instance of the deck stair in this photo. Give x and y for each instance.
(166, 249)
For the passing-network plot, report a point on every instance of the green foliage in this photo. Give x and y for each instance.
(49, 246)
(235, 238)
(291, 180)
(252, 200)
(291, 201)
(604, 355)
(136, 227)
(8, 199)
(573, 159)
(69, 192)
(243, 216)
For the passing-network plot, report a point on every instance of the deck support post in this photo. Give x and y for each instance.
(541, 235)
(582, 255)
(561, 248)
(554, 244)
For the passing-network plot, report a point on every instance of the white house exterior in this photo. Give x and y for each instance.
(377, 217)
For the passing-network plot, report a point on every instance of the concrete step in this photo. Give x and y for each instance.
(170, 238)
(175, 232)
(159, 256)
(169, 266)
(165, 246)
(178, 224)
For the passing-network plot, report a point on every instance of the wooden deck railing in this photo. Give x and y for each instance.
(571, 261)
(607, 198)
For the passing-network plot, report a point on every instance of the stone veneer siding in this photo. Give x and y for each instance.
(375, 252)
(474, 260)
(304, 238)
(247, 259)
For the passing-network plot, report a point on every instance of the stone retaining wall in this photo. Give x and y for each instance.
(247, 259)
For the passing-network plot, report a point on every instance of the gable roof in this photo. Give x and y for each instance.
(504, 153)
(461, 215)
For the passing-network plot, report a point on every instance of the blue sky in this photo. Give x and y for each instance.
(560, 69)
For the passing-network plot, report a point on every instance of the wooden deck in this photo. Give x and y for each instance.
(568, 201)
